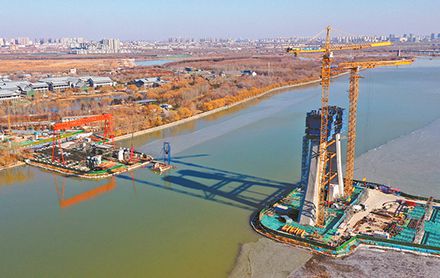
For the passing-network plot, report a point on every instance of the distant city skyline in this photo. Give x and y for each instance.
(23, 40)
(160, 20)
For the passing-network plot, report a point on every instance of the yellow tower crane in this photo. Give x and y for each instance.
(324, 155)
(353, 95)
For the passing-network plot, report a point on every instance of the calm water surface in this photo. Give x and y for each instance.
(147, 63)
(190, 222)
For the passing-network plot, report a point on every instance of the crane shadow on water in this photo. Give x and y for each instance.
(221, 186)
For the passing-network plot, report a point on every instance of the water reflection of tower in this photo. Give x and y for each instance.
(310, 159)
(90, 194)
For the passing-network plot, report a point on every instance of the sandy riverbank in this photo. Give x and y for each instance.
(267, 258)
(18, 163)
(367, 262)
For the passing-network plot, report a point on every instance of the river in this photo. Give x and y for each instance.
(147, 63)
(159, 61)
(192, 221)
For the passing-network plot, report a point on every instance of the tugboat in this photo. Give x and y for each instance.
(166, 164)
(161, 167)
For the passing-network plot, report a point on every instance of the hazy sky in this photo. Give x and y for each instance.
(161, 19)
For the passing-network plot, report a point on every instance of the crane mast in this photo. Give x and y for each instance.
(353, 95)
(323, 153)
(352, 120)
(324, 174)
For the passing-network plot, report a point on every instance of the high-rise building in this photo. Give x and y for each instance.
(112, 45)
(393, 38)
(23, 41)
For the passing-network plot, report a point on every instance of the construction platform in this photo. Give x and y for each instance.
(87, 155)
(374, 215)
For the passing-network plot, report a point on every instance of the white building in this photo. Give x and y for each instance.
(8, 95)
(113, 45)
(97, 81)
(40, 86)
(62, 83)
(148, 82)
(56, 83)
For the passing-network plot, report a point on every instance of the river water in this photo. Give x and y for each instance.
(191, 222)
(147, 63)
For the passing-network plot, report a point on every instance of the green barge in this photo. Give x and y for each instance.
(376, 215)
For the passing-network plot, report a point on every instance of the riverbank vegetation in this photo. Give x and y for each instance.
(7, 157)
(190, 87)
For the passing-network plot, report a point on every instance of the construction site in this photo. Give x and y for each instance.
(331, 212)
(85, 148)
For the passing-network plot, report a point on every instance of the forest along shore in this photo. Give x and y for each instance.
(200, 115)
(210, 112)
(184, 91)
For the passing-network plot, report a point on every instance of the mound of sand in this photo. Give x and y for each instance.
(267, 258)
(371, 263)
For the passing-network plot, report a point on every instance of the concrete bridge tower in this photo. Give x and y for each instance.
(310, 158)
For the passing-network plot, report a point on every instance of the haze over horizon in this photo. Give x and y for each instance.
(158, 20)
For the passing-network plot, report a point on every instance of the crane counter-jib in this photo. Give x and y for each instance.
(353, 102)
(337, 47)
(373, 64)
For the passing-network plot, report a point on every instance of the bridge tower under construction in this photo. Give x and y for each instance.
(310, 159)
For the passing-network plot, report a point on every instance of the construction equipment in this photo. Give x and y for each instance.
(108, 130)
(354, 68)
(10, 109)
(107, 118)
(132, 146)
(324, 175)
(166, 152)
(9, 124)
(296, 51)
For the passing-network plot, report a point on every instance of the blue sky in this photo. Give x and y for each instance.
(161, 19)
